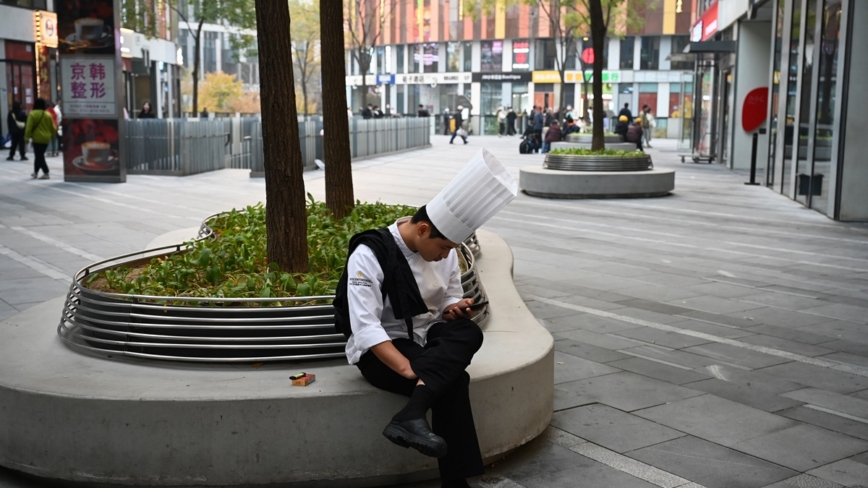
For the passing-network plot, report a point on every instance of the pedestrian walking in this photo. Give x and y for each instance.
(510, 122)
(501, 122)
(148, 113)
(410, 331)
(40, 128)
(648, 124)
(17, 122)
(538, 122)
(53, 111)
(459, 126)
(626, 112)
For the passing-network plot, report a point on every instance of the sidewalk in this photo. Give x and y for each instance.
(716, 337)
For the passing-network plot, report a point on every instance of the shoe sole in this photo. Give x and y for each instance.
(405, 439)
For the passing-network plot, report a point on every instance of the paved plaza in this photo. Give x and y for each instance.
(717, 337)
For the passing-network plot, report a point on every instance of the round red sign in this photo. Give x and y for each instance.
(755, 109)
(588, 55)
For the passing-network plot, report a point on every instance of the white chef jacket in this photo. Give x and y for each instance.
(372, 321)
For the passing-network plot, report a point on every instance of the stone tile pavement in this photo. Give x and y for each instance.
(717, 337)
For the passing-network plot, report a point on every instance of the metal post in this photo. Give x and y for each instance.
(753, 150)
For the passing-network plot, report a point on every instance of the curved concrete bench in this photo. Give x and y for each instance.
(549, 183)
(71, 416)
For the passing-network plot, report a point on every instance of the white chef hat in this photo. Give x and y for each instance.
(479, 191)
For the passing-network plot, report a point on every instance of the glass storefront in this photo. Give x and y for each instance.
(804, 88)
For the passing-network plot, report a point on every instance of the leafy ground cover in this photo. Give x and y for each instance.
(577, 151)
(234, 264)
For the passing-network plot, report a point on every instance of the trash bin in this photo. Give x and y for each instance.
(806, 185)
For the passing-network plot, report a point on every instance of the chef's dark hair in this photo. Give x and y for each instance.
(421, 215)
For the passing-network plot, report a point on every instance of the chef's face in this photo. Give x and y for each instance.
(433, 248)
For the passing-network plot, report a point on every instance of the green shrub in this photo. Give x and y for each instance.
(234, 264)
(577, 151)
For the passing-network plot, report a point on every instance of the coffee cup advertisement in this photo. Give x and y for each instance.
(86, 26)
(92, 148)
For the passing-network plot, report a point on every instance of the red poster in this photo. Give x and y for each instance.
(755, 109)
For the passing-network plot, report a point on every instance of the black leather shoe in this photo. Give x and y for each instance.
(416, 434)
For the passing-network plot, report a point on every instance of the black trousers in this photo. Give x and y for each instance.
(455, 133)
(39, 158)
(441, 365)
(17, 142)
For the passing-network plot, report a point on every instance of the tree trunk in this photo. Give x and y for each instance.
(598, 36)
(285, 212)
(364, 66)
(338, 173)
(196, 70)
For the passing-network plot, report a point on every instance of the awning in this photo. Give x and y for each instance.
(723, 47)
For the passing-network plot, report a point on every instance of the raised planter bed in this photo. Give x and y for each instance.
(211, 329)
(620, 146)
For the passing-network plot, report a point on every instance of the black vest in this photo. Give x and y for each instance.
(398, 284)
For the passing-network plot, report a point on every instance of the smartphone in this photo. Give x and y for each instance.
(478, 305)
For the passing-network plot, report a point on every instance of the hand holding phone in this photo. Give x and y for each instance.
(477, 306)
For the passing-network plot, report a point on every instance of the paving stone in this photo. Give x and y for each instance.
(726, 320)
(670, 279)
(612, 428)
(716, 419)
(626, 391)
(786, 345)
(541, 291)
(790, 334)
(724, 290)
(846, 358)
(844, 472)
(671, 356)
(638, 313)
(841, 311)
(839, 329)
(665, 338)
(779, 317)
(660, 371)
(863, 395)
(546, 311)
(658, 293)
(572, 368)
(861, 458)
(832, 401)
(744, 394)
(852, 347)
(561, 324)
(590, 302)
(782, 300)
(606, 341)
(588, 351)
(714, 304)
(736, 355)
(586, 476)
(756, 379)
(540, 457)
(827, 421)
(827, 379)
(802, 447)
(711, 465)
(601, 325)
(804, 481)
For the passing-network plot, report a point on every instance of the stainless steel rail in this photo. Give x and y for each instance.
(218, 330)
(566, 162)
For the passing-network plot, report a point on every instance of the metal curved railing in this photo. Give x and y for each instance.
(210, 329)
(567, 162)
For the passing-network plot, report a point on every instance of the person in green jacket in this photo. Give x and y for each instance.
(40, 128)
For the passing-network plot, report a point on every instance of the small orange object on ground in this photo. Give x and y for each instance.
(305, 380)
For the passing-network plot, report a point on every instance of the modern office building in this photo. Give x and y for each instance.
(430, 49)
(805, 55)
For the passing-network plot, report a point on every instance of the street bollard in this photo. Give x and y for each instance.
(753, 150)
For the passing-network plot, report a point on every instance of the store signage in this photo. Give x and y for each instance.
(546, 77)
(706, 26)
(679, 6)
(521, 55)
(431, 78)
(755, 109)
(91, 79)
(508, 77)
(45, 25)
(385, 79)
(576, 76)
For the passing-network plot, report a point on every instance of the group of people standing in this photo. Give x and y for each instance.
(544, 126)
(374, 112)
(42, 126)
(636, 130)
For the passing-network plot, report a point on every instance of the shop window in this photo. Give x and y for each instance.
(492, 100)
(491, 56)
(400, 53)
(545, 54)
(520, 55)
(677, 109)
(453, 57)
(649, 57)
(678, 45)
(628, 45)
(467, 57)
(827, 89)
(647, 96)
(417, 53)
(430, 57)
(31, 4)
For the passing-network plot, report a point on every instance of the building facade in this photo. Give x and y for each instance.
(804, 54)
(431, 49)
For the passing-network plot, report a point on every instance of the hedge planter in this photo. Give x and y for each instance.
(572, 162)
(210, 329)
